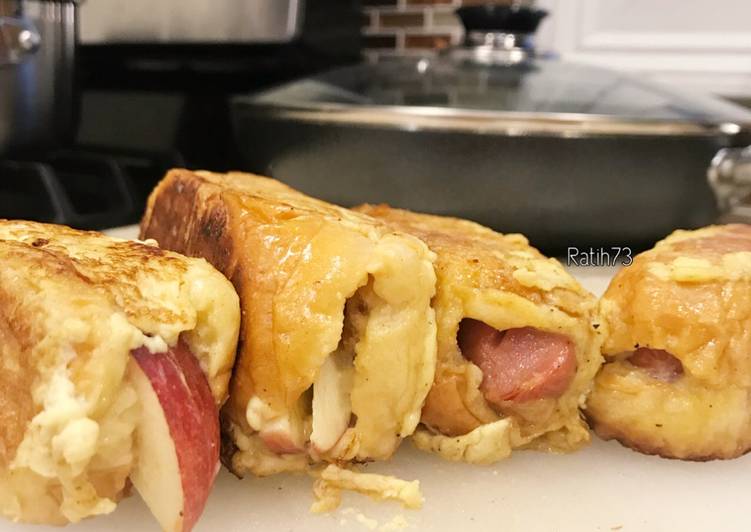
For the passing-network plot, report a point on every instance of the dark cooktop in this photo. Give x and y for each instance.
(81, 187)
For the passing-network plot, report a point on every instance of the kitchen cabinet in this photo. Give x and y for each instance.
(703, 45)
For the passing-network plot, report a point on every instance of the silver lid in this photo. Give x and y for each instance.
(539, 96)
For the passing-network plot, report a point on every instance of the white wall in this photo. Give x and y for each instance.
(700, 44)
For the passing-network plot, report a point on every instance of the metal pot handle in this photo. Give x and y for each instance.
(18, 39)
(729, 175)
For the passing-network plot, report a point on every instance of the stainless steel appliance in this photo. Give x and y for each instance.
(148, 106)
(565, 153)
(37, 49)
(190, 21)
(170, 88)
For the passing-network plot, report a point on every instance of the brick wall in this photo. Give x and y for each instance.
(411, 26)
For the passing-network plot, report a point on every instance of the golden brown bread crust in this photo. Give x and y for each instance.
(29, 280)
(72, 306)
(150, 285)
(16, 404)
(205, 231)
(689, 296)
(296, 261)
(504, 282)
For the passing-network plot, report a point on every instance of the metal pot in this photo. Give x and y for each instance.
(37, 47)
(567, 154)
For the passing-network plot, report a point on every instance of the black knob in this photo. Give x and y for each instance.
(501, 18)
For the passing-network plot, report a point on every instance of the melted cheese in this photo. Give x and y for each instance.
(544, 275)
(332, 480)
(503, 282)
(253, 455)
(737, 265)
(686, 270)
(62, 445)
(394, 361)
(484, 445)
(85, 302)
(733, 266)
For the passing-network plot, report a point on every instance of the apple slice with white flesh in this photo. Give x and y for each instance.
(285, 435)
(332, 404)
(177, 437)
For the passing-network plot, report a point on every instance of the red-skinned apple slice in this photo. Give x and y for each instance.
(177, 436)
(282, 440)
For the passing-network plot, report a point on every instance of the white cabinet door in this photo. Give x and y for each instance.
(698, 44)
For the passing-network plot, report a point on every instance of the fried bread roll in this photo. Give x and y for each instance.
(338, 336)
(677, 326)
(517, 351)
(103, 343)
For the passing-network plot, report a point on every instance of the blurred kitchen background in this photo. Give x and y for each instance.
(702, 44)
(574, 121)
